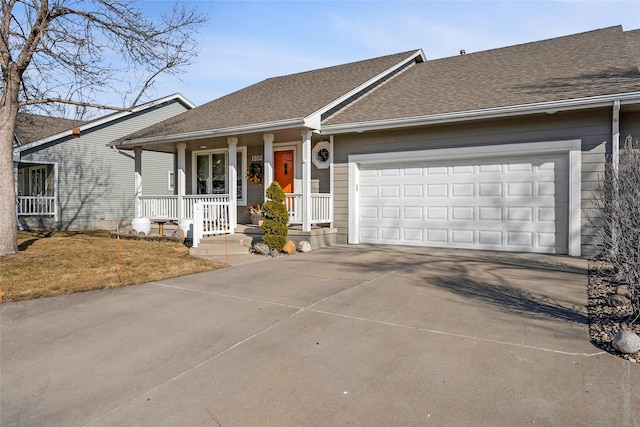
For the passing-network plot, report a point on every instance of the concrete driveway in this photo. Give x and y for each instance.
(349, 335)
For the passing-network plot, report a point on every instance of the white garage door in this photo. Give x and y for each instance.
(512, 204)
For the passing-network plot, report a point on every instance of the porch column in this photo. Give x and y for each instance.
(233, 183)
(138, 180)
(180, 177)
(267, 173)
(331, 190)
(306, 180)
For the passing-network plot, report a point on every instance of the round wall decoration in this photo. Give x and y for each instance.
(321, 155)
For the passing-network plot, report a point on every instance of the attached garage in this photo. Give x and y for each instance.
(474, 198)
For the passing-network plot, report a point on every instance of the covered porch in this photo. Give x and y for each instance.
(218, 180)
(36, 187)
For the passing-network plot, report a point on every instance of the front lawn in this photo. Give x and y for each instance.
(55, 263)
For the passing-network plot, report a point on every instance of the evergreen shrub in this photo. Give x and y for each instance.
(276, 218)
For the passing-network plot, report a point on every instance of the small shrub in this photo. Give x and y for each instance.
(276, 218)
(618, 198)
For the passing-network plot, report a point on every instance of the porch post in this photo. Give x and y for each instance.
(306, 180)
(331, 171)
(180, 177)
(267, 173)
(233, 183)
(138, 180)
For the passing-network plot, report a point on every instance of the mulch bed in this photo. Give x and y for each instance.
(606, 321)
(150, 238)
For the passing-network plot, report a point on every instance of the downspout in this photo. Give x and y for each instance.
(16, 162)
(615, 138)
(615, 164)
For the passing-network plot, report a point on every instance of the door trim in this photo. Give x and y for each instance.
(573, 148)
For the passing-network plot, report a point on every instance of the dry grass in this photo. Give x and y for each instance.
(56, 263)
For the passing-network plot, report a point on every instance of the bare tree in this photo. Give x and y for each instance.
(618, 198)
(68, 53)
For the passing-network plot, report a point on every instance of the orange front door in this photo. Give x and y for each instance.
(283, 165)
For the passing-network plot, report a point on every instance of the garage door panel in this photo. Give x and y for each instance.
(463, 189)
(437, 190)
(390, 233)
(462, 236)
(390, 191)
(390, 212)
(518, 214)
(462, 213)
(490, 238)
(490, 214)
(496, 203)
(435, 213)
(369, 212)
(490, 189)
(409, 191)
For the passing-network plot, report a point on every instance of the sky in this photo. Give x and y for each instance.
(245, 42)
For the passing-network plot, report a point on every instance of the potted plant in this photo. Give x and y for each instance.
(255, 212)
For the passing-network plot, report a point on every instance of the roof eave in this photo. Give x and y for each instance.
(212, 133)
(106, 119)
(483, 114)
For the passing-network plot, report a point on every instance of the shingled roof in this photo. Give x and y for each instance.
(584, 65)
(32, 127)
(277, 99)
(633, 39)
(576, 67)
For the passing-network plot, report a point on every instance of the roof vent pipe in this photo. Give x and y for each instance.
(463, 52)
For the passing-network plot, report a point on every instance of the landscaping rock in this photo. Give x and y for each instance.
(617, 301)
(624, 291)
(274, 253)
(304, 246)
(626, 342)
(261, 249)
(179, 233)
(619, 278)
(289, 247)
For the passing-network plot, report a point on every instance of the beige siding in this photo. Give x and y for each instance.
(593, 128)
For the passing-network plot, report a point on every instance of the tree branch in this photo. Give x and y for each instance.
(71, 102)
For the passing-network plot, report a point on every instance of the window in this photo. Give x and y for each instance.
(211, 170)
(38, 181)
(170, 180)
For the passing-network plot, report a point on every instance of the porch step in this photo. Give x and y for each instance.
(232, 244)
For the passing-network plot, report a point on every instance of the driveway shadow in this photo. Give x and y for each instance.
(509, 299)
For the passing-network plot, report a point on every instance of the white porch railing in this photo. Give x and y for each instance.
(167, 206)
(159, 207)
(37, 205)
(210, 219)
(188, 202)
(321, 209)
(211, 213)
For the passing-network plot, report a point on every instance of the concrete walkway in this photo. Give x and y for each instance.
(349, 335)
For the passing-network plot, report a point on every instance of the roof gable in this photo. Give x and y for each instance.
(282, 99)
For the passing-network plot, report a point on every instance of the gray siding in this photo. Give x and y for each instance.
(96, 183)
(593, 128)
